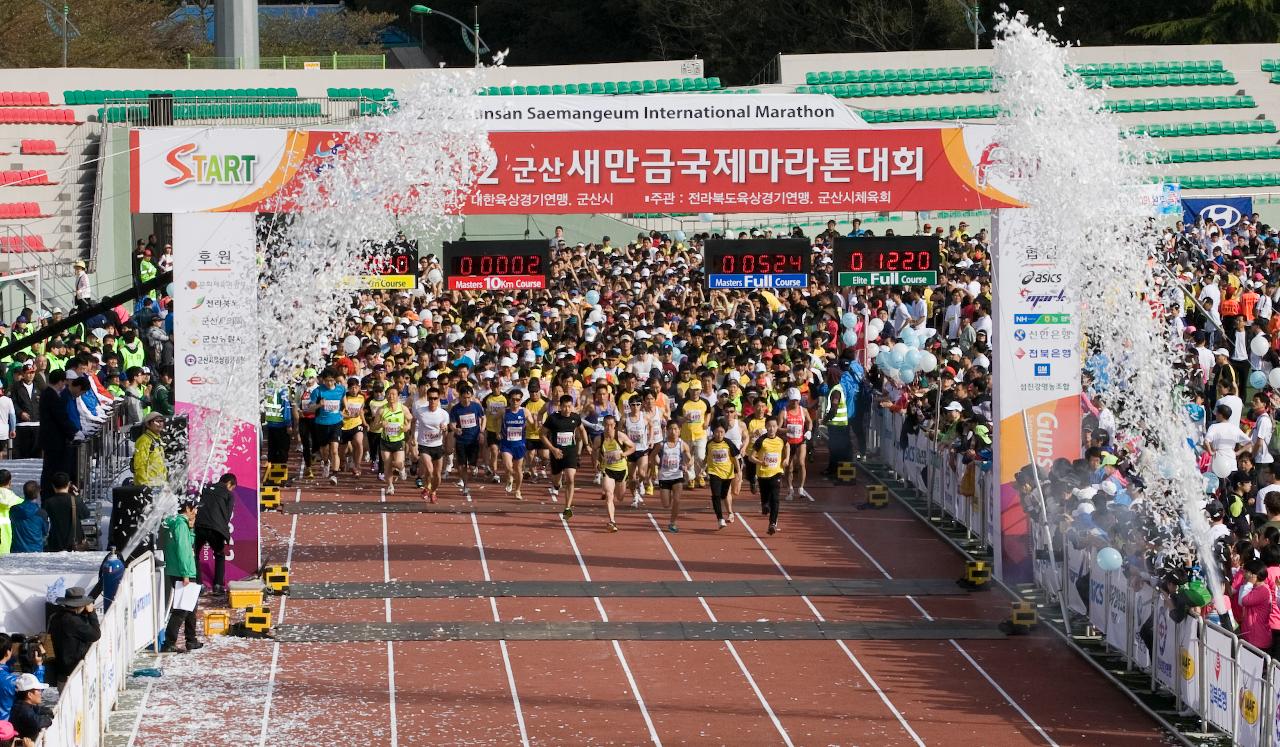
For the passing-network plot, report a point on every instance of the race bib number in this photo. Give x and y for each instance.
(332, 405)
(636, 432)
(670, 462)
(353, 411)
(772, 459)
(392, 429)
(613, 457)
(795, 430)
(719, 456)
(695, 417)
(430, 431)
(467, 420)
(515, 433)
(564, 438)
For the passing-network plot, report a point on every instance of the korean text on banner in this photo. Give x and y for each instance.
(1219, 671)
(1164, 634)
(1188, 635)
(215, 356)
(1036, 377)
(1251, 673)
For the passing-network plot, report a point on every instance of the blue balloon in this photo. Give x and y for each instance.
(910, 337)
(849, 320)
(593, 297)
(896, 359)
(907, 375)
(849, 338)
(914, 358)
(884, 360)
(1257, 380)
(1109, 559)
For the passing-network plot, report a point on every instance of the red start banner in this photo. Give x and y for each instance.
(619, 171)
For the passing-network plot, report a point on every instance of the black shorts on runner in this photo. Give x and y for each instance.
(617, 475)
(491, 438)
(392, 446)
(568, 461)
(326, 434)
(435, 452)
(669, 484)
(534, 444)
(635, 456)
(350, 435)
(468, 454)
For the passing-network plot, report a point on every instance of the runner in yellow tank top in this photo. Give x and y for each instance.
(722, 465)
(770, 453)
(615, 447)
(693, 431)
(353, 425)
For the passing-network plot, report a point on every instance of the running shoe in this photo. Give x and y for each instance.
(333, 480)
(730, 518)
(672, 528)
(382, 477)
(568, 512)
(434, 493)
(791, 494)
(613, 527)
(324, 470)
(773, 529)
(311, 474)
(723, 524)
(419, 482)
(426, 495)
(518, 496)
(462, 485)
(805, 494)
(391, 490)
(599, 477)
(497, 479)
(553, 490)
(752, 487)
(466, 493)
(648, 489)
(764, 510)
(511, 486)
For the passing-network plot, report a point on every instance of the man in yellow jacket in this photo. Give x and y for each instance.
(148, 454)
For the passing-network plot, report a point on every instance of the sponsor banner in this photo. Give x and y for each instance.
(675, 112)
(1273, 706)
(215, 354)
(1143, 601)
(1225, 211)
(1098, 582)
(1078, 565)
(142, 607)
(785, 280)
(857, 279)
(1036, 377)
(1164, 200)
(90, 725)
(1188, 676)
(1219, 670)
(498, 282)
(71, 710)
(1251, 677)
(389, 282)
(642, 170)
(1118, 601)
(1164, 636)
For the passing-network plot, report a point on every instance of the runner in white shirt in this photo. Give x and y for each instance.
(638, 427)
(1223, 437)
(430, 422)
(1260, 436)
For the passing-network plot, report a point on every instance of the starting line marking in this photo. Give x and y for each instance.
(275, 648)
(742, 666)
(843, 647)
(506, 657)
(617, 647)
(985, 675)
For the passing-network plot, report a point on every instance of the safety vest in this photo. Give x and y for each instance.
(135, 357)
(273, 409)
(841, 416)
(55, 363)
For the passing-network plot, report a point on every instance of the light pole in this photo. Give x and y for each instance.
(474, 30)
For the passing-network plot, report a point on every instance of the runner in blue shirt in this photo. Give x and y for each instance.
(465, 419)
(327, 402)
(512, 446)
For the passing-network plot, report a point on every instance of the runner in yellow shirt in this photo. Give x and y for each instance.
(770, 453)
(694, 413)
(353, 425)
(615, 447)
(722, 466)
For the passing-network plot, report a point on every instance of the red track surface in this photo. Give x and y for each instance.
(630, 692)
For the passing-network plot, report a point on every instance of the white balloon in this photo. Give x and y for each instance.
(873, 350)
(782, 342)
(1259, 345)
(1224, 465)
(928, 362)
(351, 345)
(874, 328)
(1273, 378)
(706, 217)
(900, 351)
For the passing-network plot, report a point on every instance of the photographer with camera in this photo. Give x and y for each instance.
(73, 629)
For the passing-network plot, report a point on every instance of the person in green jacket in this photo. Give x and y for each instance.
(180, 571)
(8, 499)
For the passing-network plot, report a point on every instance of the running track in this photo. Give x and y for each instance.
(1022, 690)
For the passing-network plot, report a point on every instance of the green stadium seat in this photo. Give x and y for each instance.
(609, 87)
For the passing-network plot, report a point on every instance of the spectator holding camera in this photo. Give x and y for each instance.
(73, 629)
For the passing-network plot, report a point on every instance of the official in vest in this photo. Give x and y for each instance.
(839, 442)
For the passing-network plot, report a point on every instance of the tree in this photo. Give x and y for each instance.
(129, 33)
(1224, 22)
(344, 32)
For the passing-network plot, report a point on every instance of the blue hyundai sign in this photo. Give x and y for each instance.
(739, 282)
(1225, 211)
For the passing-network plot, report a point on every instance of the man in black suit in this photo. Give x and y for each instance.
(56, 433)
(26, 403)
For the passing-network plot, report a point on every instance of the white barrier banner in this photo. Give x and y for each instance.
(1117, 612)
(1143, 601)
(142, 606)
(917, 460)
(1164, 635)
(1097, 596)
(71, 709)
(1219, 670)
(1189, 663)
(1273, 705)
(1251, 670)
(89, 725)
(1077, 566)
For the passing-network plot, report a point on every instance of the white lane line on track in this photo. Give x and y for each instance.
(275, 648)
(742, 666)
(985, 675)
(391, 658)
(843, 647)
(617, 648)
(506, 657)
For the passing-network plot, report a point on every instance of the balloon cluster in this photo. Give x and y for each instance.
(904, 361)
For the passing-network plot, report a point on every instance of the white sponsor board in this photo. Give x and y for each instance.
(1219, 674)
(1251, 677)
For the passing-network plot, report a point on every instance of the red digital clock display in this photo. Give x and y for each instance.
(754, 260)
(502, 264)
(496, 265)
(886, 254)
(758, 262)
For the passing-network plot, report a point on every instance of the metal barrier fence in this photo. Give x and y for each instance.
(1229, 684)
(323, 61)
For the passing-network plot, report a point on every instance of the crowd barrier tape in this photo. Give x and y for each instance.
(91, 692)
(1230, 684)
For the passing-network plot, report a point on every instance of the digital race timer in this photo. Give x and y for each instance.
(496, 265)
(757, 263)
(886, 260)
(393, 266)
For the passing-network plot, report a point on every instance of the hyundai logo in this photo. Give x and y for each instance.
(1224, 215)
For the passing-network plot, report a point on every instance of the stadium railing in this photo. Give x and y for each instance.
(1210, 672)
(323, 61)
(84, 705)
